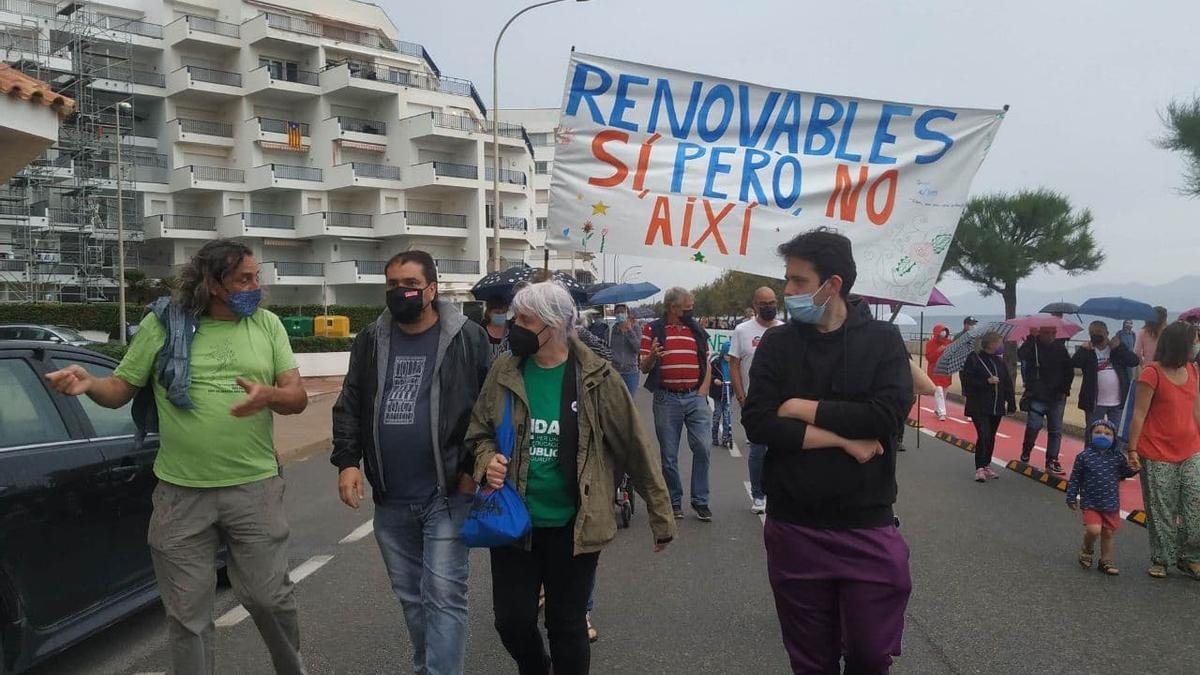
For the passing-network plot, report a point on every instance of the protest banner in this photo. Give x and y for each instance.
(667, 164)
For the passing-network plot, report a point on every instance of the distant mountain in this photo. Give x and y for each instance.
(1178, 295)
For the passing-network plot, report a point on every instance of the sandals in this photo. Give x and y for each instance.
(1157, 571)
(1107, 567)
(1085, 559)
(1188, 570)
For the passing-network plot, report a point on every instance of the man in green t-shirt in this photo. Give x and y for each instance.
(218, 475)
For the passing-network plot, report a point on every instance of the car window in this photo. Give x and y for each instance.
(28, 415)
(105, 421)
(9, 333)
(69, 334)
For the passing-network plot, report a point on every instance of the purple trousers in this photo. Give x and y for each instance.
(838, 593)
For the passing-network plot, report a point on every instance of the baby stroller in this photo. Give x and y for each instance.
(722, 423)
(625, 500)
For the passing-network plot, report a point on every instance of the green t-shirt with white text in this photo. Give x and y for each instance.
(206, 446)
(547, 495)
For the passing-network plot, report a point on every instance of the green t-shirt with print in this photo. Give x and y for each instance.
(547, 495)
(206, 446)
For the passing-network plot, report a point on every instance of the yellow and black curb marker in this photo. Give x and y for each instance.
(1137, 517)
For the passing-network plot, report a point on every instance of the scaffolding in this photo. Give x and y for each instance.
(63, 207)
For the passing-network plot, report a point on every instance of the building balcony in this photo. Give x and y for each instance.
(401, 223)
(200, 132)
(444, 174)
(281, 29)
(348, 272)
(272, 134)
(197, 177)
(287, 273)
(180, 226)
(341, 80)
(441, 125)
(282, 85)
(509, 179)
(192, 31)
(452, 269)
(248, 224)
(200, 82)
(511, 227)
(364, 175)
(358, 130)
(120, 30)
(334, 224)
(284, 176)
(127, 79)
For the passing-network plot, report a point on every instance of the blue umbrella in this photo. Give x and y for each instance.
(622, 293)
(1118, 308)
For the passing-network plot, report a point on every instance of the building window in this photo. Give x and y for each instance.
(585, 277)
(542, 223)
(542, 196)
(541, 167)
(541, 139)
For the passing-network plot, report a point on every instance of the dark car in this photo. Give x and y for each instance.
(74, 507)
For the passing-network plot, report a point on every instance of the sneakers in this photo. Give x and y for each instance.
(760, 505)
(678, 512)
(1054, 467)
(980, 476)
(991, 473)
(941, 418)
(702, 512)
(1025, 456)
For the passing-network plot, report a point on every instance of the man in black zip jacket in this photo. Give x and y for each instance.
(405, 404)
(828, 391)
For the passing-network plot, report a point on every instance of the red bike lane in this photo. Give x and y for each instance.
(1008, 448)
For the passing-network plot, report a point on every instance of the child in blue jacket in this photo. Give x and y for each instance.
(1095, 480)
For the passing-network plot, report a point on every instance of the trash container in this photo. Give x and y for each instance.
(332, 326)
(298, 326)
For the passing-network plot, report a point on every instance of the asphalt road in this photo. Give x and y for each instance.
(996, 590)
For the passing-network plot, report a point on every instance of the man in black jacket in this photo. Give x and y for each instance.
(1106, 365)
(403, 412)
(1048, 374)
(827, 392)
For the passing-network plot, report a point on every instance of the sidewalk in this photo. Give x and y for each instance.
(310, 432)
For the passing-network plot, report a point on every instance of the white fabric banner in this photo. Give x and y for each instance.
(668, 164)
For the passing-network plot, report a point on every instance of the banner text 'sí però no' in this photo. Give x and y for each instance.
(667, 164)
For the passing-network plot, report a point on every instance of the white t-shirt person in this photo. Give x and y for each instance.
(745, 340)
(1108, 386)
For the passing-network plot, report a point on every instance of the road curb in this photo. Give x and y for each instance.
(1137, 516)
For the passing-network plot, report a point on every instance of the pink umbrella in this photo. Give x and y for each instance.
(936, 299)
(1025, 325)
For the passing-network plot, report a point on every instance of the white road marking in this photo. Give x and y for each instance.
(734, 451)
(359, 532)
(762, 517)
(928, 432)
(931, 411)
(239, 614)
(957, 420)
(1001, 434)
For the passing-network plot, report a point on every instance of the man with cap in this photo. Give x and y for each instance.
(968, 324)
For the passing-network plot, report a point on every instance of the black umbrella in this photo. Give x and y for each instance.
(1060, 308)
(955, 355)
(502, 286)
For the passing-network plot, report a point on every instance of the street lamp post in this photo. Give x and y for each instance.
(123, 338)
(631, 268)
(496, 214)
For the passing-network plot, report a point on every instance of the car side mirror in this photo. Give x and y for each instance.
(55, 338)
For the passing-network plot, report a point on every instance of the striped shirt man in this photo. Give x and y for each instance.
(680, 363)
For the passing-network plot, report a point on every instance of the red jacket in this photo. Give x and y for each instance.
(933, 351)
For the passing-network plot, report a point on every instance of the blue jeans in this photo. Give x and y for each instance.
(631, 381)
(722, 417)
(1112, 412)
(1049, 415)
(672, 412)
(758, 453)
(427, 564)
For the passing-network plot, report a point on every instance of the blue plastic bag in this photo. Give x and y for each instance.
(498, 517)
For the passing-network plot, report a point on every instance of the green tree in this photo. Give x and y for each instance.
(1002, 239)
(731, 293)
(1182, 120)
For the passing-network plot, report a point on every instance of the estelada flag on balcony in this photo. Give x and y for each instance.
(706, 170)
(294, 137)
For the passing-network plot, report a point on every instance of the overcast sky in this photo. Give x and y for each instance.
(1085, 80)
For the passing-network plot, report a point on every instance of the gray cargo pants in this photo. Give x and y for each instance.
(185, 531)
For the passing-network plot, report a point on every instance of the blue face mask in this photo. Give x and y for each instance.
(244, 303)
(801, 308)
(1101, 442)
(622, 318)
(499, 319)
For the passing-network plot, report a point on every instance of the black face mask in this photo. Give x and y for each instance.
(406, 304)
(1098, 340)
(767, 313)
(524, 342)
(688, 314)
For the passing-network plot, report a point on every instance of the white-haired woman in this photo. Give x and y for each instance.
(563, 396)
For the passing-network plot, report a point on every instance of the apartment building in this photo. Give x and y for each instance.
(310, 130)
(542, 127)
